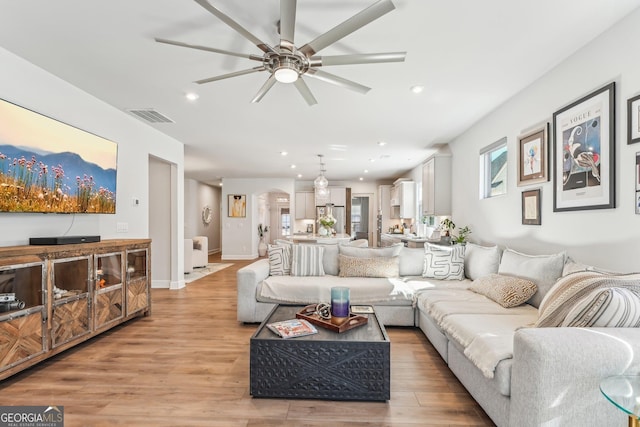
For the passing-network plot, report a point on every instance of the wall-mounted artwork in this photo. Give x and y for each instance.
(51, 167)
(531, 207)
(637, 199)
(633, 120)
(237, 205)
(584, 153)
(532, 157)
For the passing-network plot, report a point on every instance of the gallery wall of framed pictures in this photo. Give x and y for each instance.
(580, 157)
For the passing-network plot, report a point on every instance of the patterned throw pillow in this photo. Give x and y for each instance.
(443, 262)
(369, 267)
(571, 291)
(307, 260)
(508, 291)
(610, 307)
(279, 260)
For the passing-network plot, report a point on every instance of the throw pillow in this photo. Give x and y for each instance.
(572, 288)
(610, 307)
(387, 252)
(481, 261)
(307, 260)
(369, 267)
(543, 270)
(508, 291)
(444, 262)
(411, 261)
(279, 260)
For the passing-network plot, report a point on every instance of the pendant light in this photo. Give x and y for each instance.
(320, 183)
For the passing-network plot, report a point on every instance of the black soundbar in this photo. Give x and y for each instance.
(63, 240)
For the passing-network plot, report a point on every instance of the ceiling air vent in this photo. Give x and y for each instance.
(150, 115)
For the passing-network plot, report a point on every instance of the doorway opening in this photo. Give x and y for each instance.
(362, 217)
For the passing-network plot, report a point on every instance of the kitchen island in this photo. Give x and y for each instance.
(316, 238)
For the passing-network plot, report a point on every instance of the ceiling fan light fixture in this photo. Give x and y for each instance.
(286, 73)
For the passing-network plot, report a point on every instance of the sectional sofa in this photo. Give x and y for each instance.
(503, 321)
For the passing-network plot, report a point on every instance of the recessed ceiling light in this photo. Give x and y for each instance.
(366, 171)
(361, 179)
(299, 175)
(293, 166)
(191, 96)
(372, 160)
(416, 89)
(220, 184)
(382, 143)
(283, 153)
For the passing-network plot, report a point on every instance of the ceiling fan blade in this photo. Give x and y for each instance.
(264, 89)
(287, 23)
(339, 81)
(210, 49)
(229, 75)
(365, 58)
(352, 24)
(305, 91)
(233, 24)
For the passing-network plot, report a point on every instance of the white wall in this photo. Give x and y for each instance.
(197, 195)
(29, 86)
(607, 238)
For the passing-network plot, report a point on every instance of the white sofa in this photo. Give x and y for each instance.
(521, 376)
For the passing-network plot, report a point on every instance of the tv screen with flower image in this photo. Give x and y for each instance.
(50, 167)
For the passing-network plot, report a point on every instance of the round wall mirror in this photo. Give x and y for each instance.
(207, 214)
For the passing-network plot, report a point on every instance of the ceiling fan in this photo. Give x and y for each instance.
(286, 63)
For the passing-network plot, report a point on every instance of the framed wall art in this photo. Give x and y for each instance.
(633, 120)
(531, 207)
(584, 153)
(237, 205)
(532, 157)
(637, 199)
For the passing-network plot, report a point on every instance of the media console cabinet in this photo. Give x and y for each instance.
(55, 297)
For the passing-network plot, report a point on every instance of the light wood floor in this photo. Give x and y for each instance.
(188, 365)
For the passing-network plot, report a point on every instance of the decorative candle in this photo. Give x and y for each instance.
(340, 302)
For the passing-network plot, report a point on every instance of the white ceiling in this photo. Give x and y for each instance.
(470, 55)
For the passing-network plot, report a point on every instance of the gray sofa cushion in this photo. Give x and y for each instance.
(543, 270)
(480, 261)
(389, 251)
(411, 261)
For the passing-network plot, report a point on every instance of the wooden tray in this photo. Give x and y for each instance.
(353, 321)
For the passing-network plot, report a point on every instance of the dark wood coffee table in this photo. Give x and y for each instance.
(353, 365)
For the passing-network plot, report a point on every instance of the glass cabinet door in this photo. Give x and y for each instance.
(108, 297)
(70, 317)
(22, 326)
(137, 283)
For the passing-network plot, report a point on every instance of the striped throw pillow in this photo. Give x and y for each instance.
(443, 262)
(279, 260)
(570, 290)
(610, 307)
(307, 260)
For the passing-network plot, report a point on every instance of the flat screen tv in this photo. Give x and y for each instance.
(51, 167)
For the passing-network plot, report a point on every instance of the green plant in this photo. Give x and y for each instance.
(448, 226)
(462, 235)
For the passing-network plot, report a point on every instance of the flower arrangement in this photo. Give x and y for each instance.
(262, 230)
(327, 221)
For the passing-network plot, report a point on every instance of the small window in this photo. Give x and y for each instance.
(493, 169)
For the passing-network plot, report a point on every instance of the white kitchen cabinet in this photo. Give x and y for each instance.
(338, 196)
(403, 200)
(436, 186)
(305, 205)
